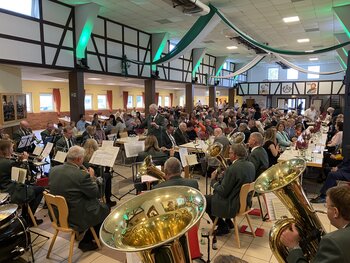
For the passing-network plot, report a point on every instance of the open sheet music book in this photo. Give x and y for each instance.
(38, 150)
(132, 149)
(183, 152)
(18, 174)
(191, 159)
(60, 157)
(275, 208)
(105, 157)
(45, 153)
(25, 141)
(106, 144)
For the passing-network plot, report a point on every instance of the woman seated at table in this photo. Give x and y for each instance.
(271, 146)
(110, 124)
(336, 140)
(90, 147)
(282, 137)
(152, 148)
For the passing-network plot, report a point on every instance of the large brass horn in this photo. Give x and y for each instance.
(148, 168)
(236, 138)
(154, 224)
(215, 151)
(283, 179)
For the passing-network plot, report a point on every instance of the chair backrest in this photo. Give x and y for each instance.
(243, 195)
(58, 202)
(123, 134)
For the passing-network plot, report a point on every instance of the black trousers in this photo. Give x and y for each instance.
(221, 223)
(33, 204)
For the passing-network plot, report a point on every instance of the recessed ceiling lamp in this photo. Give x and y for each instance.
(313, 59)
(303, 40)
(231, 47)
(291, 19)
(94, 79)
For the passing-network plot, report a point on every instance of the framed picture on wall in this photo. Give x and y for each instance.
(8, 108)
(21, 107)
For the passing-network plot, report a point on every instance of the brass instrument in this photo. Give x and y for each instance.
(236, 138)
(283, 179)
(215, 151)
(148, 168)
(154, 224)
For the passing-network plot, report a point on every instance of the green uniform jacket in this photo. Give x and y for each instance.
(81, 194)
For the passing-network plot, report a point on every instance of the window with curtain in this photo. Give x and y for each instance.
(24, 7)
(167, 101)
(46, 102)
(314, 69)
(130, 102)
(88, 102)
(101, 102)
(272, 74)
(292, 73)
(139, 102)
(29, 102)
(159, 101)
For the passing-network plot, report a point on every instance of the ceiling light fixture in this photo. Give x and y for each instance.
(303, 40)
(232, 47)
(59, 80)
(94, 79)
(291, 19)
(313, 59)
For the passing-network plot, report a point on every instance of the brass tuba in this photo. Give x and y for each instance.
(215, 151)
(148, 168)
(154, 224)
(283, 179)
(236, 138)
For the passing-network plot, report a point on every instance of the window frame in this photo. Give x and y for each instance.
(34, 8)
(167, 97)
(53, 106)
(312, 75)
(104, 95)
(92, 102)
(291, 69)
(30, 104)
(268, 73)
(132, 102)
(142, 102)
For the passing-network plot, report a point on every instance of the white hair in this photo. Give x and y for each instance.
(75, 152)
(153, 106)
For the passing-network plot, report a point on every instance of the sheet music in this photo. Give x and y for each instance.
(279, 209)
(203, 145)
(106, 144)
(18, 174)
(45, 153)
(183, 152)
(25, 141)
(60, 157)
(148, 178)
(191, 159)
(38, 150)
(270, 209)
(105, 157)
(133, 149)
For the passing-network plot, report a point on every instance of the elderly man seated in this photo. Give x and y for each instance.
(81, 192)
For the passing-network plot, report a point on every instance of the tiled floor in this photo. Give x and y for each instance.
(253, 250)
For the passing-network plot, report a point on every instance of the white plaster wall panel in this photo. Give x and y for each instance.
(99, 43)
(142, 55)
(336, 86)
(187, 65)
(226, 82)
(68, 39)
(11, 81)
(176, 75)
(146, 71)
(99, 27)
(93, 62)
(114, 65)
(205, 60)
(49, 55)
(143, 39)
(130, 52)
(177, 63)
(325, 87)
(52, 34)
(114, 49)
(206, 70)
(161, 73)
(20, 27)
(20, 51)
(65, 58)
(187, 55)
(253, 88)
(130, 36)
(301, 88)
(244, 88)
(133, 69)
(55, 12)
(114, 31)
(273, 89)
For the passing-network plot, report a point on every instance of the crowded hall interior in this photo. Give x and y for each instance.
(174, 131)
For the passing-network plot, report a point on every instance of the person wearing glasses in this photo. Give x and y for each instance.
(334, 246)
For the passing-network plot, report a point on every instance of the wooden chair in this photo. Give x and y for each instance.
(61, 223)
(243, 211)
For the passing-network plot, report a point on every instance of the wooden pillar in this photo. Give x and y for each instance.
(76, 94)
(212, 96)
(231, 97)
(346, 139)
(189, 97)
(150, 93)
